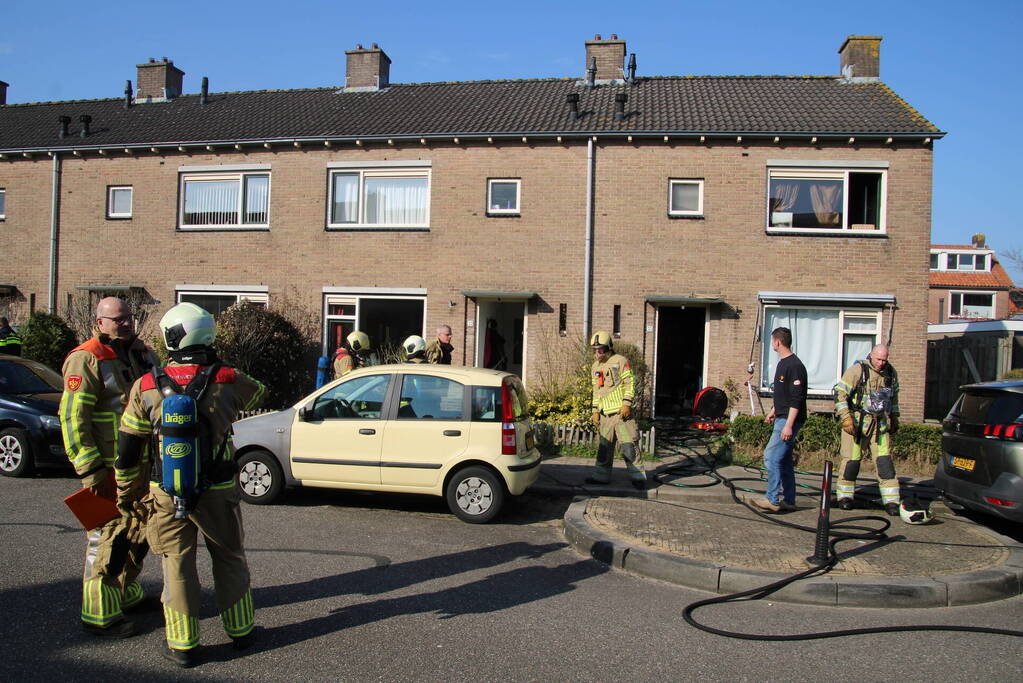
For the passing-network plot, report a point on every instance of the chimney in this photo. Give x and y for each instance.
(860, 57)
(620, 100)
(610, 56)
(979, 240)
(85, 120)
(3, 93)
(367, 69)
(158, 81)
(65, 123)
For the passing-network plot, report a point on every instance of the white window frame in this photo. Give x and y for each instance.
(396, 169)
(944, 259)
(829, 171)
(110, 201)
(256, 293)
(355, 296)
(685, 181)
(844, 313)
(961, 293)
(3, 203)
(491, 210)
(214, 174)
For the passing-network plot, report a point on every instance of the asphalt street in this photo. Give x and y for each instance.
(353, 586)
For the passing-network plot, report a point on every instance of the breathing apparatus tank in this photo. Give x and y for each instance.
(180, 452)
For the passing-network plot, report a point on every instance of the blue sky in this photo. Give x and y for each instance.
(957, 63)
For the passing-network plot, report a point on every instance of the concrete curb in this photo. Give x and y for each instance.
(996, 583)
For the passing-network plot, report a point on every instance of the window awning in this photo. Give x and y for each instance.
(828, 297)
(7, 290)
(500, 296)
(664, 300)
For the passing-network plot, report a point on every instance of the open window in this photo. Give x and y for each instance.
(826, 199)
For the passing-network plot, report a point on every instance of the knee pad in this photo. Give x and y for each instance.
(851, 471)
(885, 467)
(629, 451)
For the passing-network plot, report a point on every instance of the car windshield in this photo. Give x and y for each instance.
(989, 407)
(28, 377)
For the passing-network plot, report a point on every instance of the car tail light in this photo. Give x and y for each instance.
(1000, 501)
(1005, 432)
(509, 438)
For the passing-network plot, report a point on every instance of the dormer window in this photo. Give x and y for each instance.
(964, 262)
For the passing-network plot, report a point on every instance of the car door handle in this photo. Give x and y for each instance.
(367, 431)
(452, 432)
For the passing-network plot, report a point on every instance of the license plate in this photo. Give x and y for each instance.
(963, 463)
(529, 441)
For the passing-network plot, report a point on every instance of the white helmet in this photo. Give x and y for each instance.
(358, 341)
(413, 344)
(187, 325)
(913, 512)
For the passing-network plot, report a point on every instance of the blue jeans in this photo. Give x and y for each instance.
(781, 473)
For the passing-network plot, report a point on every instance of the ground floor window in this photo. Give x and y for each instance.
(216, 301)
(971, 305)
(388, 320)
(827, 340)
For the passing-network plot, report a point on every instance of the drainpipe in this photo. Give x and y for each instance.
(588, 266)
(54, 226)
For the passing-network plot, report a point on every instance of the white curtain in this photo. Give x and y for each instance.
(815, 338)
(257, 192)
(211, 202)
(346, 198)
(396, 201)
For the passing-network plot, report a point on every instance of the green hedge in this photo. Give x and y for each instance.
(47, 338)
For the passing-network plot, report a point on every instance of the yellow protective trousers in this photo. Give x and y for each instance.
(217, 515)
(613, 429)
(852, 451)
(109, 580)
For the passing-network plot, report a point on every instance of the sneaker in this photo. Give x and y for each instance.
(892, 509)
(764, 505)
(787, 507)
(244, 642)
(592, 481)
(186, 659)
(122, 628)
(845, 503)
(639, 484)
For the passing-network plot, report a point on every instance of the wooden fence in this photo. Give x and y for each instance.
(568, 435)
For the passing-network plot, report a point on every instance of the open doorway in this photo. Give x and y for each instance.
(500, 335)
(679, 372)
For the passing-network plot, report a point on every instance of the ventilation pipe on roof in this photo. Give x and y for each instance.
(204, 93)
(620, 100)
(573, 105)
(979, 240)
(127, 94)
(591, 74)
(65, 121)
(632, 69)
(85, 120)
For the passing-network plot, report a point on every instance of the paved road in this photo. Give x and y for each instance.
(370, 587)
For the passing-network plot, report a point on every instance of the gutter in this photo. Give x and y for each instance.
(54, 231)
(588, 252)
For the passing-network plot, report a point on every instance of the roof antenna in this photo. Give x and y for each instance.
(632, 69)
(127, 94)
(591, 74)
(204, 93)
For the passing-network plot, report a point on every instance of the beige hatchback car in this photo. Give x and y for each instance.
(457, 432)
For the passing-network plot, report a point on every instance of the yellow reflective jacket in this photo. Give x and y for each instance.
(613, 384)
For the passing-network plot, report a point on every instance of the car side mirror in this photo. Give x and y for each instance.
(304, 414)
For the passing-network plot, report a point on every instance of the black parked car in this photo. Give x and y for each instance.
(981, 464)
(29, 427)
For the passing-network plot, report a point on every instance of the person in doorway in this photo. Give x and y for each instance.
(867, 404)
(353, 353)
(788, 415)
(415, 349)
(439, 350)
(493, 348)
(10, 342)
(613, 392)
(97, 377)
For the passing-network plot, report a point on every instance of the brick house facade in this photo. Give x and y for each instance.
(967, 283)
(684, 214)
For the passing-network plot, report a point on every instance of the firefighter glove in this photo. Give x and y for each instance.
(625, 411)
(596, 417)
(847, 425)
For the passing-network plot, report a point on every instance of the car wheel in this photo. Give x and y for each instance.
(15, 453)
(259, 477)
(475, 495)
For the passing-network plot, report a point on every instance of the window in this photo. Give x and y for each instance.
(825, 199)
(934, 261)
(3, 204)
(387, 319)
(967, 262)
(119, 201)
(827, 340)
(360, 398)
(225, 200)
(217, 301)
(685, 197)
(503, 196)
(431, 398)
(379, 198)
(971, 304)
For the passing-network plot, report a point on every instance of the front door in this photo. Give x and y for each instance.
(679, 373)
(501, 335)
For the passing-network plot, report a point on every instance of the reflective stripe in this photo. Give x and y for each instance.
(133, 595)
(257, 398)
(890, 495)
(238, 619)
(101, 604)
(138, 424)
(182, 630)
(221, 486)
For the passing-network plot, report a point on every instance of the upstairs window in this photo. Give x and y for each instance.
(826, 200)
(685, 197)
(379, 198)
(971, 305)
(503, 196)
(967, 262)
(225, 200)
(119, 201)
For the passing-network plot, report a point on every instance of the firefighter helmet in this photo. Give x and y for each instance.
(358, 341)
(601, 338)
(413, 345)
(187, 325)
(913, 512)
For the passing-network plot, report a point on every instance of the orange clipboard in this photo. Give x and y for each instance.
(92, 510)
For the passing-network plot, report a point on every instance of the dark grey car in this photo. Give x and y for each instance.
(981, 465)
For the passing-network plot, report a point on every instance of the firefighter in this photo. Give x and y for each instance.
(351, 354)
(415, 349)
(97, 377)
(10, 342)
(613, 392)
(439, 350)
(867, 403)
(214, 511)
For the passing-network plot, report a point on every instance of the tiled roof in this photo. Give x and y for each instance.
(733, 105)
(996, 279)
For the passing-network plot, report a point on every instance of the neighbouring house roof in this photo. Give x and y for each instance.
(996, 279)
(728, 105)
(1015, 301)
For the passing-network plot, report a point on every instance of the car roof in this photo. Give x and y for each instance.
(459, 373)
(1009, 384)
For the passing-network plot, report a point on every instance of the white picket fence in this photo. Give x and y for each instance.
(569, 435)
